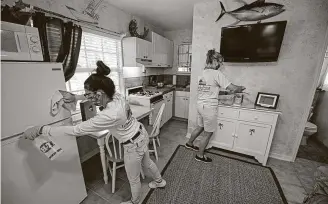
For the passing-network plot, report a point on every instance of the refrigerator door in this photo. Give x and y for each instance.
(27, 89)
(28, 176)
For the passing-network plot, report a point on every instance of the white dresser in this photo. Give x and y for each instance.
(245, 130)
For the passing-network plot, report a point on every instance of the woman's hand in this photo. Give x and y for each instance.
(68, 97)
(32, 132)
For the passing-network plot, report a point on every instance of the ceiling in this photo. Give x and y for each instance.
(167, 14)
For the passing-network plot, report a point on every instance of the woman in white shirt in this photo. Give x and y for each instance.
(115, 116)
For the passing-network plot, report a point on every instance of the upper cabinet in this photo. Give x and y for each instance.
(158, 53)
(136, 50)
(162, 51)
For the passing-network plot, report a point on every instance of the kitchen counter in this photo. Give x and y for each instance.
(252, 107)
(140, 112)
(165, 90)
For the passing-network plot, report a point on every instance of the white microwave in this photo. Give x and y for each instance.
(20, 43)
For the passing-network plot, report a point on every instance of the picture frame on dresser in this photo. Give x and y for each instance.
(267, 100)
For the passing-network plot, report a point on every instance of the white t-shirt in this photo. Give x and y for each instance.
(116, 117)
(209, 84)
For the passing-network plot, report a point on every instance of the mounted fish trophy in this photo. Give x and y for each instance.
(256, 11)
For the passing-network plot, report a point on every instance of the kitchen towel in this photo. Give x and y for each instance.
(57, 102)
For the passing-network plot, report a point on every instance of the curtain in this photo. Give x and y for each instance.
(69, 54)
(60, 42)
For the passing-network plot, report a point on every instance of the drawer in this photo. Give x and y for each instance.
(224, 112)
(252, 116)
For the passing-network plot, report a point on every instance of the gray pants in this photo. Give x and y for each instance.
(136, 156)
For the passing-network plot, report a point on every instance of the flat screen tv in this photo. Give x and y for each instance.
(253, 42)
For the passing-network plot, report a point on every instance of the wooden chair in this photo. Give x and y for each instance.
(154, 135)
(115, 156)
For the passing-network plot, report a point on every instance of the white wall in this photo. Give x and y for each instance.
(293, 76)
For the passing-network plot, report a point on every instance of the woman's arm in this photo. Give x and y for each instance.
(100, 122)
(80, 97)
(235, 89)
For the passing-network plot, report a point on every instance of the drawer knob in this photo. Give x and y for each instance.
(251, 131)
(220, 125)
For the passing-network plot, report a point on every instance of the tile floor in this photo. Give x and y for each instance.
(296, 179)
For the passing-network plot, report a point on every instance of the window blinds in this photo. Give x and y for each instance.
(93, 48)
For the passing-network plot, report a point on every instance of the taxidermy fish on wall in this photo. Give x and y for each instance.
(256, 11)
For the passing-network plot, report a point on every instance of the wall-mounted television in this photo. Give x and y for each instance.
(259, 42)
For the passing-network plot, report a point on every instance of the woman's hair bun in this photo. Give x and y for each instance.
(102, 69)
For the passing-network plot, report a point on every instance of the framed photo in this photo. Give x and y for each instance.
(267, 100)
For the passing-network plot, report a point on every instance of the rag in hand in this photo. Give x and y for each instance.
(57, 102)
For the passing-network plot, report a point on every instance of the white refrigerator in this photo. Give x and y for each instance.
(28, 176)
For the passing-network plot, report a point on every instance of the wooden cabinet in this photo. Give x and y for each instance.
(246, 131)
(181, 104)
(162, 51)
(168, 111)
(136, 50)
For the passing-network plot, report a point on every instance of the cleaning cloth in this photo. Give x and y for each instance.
(57, 102)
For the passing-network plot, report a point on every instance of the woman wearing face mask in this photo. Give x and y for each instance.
(207, 102)
(116, 116)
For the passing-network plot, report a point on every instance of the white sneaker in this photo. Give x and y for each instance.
(155, 184)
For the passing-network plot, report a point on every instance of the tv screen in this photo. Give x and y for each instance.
(253, 42)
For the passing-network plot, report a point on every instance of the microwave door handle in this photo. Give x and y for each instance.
(18, 42)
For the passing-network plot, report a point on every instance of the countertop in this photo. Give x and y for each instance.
(252, 107)
(139, 112)
(165, 90)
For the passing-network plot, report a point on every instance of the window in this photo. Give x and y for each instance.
(184, 58)
(96, 47)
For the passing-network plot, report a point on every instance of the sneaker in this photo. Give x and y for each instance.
(203, 159)
(155, 184)
(188, 146)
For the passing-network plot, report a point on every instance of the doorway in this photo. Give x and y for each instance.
(314, 145)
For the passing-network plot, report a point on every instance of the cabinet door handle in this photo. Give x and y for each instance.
(236, 136)
(251, 131)
(221, 126)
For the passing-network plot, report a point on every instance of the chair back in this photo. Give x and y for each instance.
(157, 123)
(114, 148)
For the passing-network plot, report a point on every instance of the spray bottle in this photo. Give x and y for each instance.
(47, 146)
